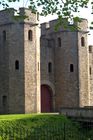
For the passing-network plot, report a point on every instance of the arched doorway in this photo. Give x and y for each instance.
(46, 99)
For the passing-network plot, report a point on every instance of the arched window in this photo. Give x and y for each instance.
(82, 41)
(71, 68)
(59, 42)
(17, 65)
(49, 67)
(30, 35)
(4, 35)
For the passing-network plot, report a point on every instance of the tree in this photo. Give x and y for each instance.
(63, 8)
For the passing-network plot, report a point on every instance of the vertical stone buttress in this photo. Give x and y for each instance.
(47, 44)
(31, 62)
(91, 73)
(83, 65)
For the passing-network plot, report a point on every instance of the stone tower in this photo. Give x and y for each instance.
(64, 66)
(19, 62)
(91, 73)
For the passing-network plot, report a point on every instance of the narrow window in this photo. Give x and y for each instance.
(49, 67)
(90, 49)
(17, 65)
(4, 100)
(4, 35)
(38, 16)
(90, 70)
(71, 68)
(59, 42)
(82, 41)
(38, 66)
(30, 35)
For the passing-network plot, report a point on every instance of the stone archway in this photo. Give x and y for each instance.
(46, 99)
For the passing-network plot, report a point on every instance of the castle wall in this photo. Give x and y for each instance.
(12, 47)
(20, 64)
(71, 86)
(4, 71)
(91, 73)
(47, 56)
(16, 76)
(83, 65)
(31, 64)
(83, 68)
(66, 82)
(64, 66)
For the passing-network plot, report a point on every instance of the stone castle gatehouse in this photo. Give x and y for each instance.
(43, 73)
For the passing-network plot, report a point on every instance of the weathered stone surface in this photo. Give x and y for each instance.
(20, 86)
(71, 89)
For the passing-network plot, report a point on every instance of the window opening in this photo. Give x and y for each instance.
(38, 66)
(71, 68)
(59, 42)
(4, 35)
(82, 41)
(30, 35)
(90, 70)
(38, 16)
(4, 100)
(90, 49)
(49, 67)
(16, 64)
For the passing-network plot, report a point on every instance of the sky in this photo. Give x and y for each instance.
(84, 13)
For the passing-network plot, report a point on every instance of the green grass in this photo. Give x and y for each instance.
(29, 120)
(38, 127)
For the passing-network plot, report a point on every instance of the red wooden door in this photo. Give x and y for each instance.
(46, 99)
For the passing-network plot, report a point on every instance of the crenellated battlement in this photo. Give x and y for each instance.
(6, 16)
(10, 16)
(48, 27)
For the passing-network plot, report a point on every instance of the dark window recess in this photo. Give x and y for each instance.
(38, 16)
(90, 49)
(90, 70)
(59, 42)
(71, 68)
(82, 41)
(49, 67)
(4, 35)
(17, 65)
(4, 100)
(30, 35)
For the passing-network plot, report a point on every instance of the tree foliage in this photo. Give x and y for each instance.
(64, 8)
(5, 4)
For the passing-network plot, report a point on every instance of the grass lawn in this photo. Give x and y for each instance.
(31, 120)
(38, 127)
